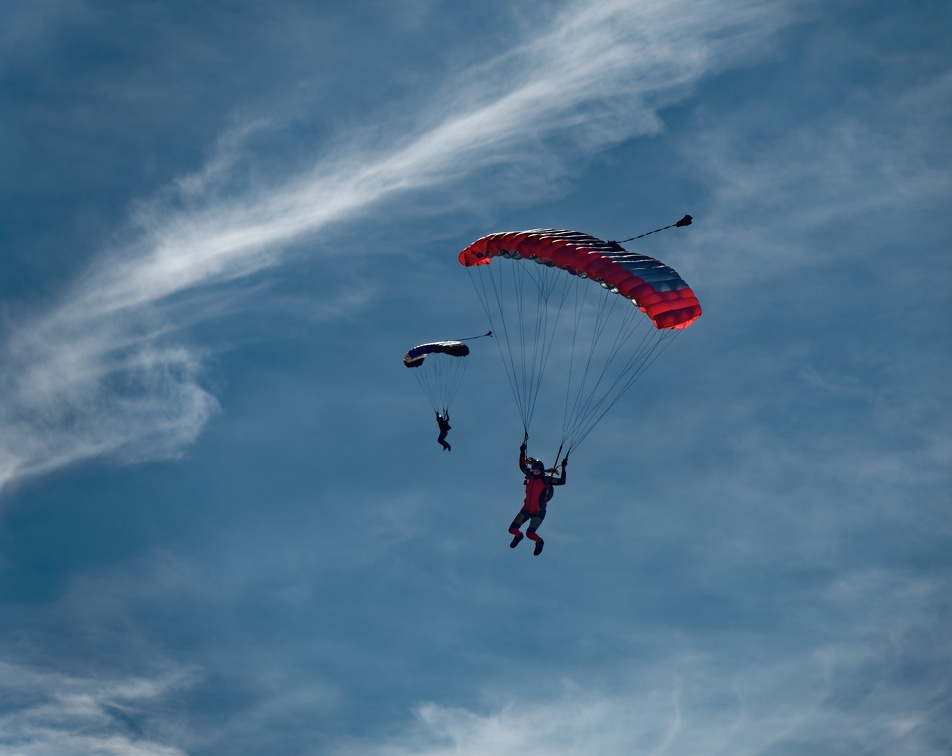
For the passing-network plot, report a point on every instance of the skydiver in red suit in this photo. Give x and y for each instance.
(444, 423)
(539, 490)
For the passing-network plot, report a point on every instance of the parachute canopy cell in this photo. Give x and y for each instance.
(416, 356)
(651, 285)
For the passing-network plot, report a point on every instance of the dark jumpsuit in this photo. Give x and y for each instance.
(444, 423)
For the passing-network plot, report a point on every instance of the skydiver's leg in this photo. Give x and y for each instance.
(531, 534)
(442, 441)
(514, 528)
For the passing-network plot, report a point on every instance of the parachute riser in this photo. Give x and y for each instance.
(558, 457)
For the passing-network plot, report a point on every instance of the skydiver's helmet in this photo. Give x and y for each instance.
(535, 466)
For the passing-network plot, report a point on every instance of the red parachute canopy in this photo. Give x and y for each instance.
(654, 287)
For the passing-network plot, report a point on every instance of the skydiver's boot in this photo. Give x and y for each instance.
(517, 536)
(539, 543)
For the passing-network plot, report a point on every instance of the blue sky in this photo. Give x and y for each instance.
(226, 526)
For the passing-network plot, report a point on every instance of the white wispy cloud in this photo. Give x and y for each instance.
(862, 667)
(834, 188)
(830, 694)
(47, 713)
(104, 373)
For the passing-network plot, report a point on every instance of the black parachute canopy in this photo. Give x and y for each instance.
(416, 356)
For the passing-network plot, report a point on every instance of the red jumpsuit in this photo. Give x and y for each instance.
(539, 490)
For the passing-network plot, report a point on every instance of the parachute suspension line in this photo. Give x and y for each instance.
(494, 302)
(524, 302)
(440, 377)
(685, 221)
(534, 330)
(545, 330)
(427, 389)
(526, 333)
(657, 348)
(523, 386)
(595, 409)
(595, 400)
(527, 372)
(452, 370)
(570, 416)
(531, 373)
(526, 339)
(575, 330)
(628, 324)
(654, 352)
(484, 298)
(598, 403)
(606, 351)
(588, 392)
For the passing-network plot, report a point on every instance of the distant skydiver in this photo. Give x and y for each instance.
(539, 490)
(444, 423)
(439, 367)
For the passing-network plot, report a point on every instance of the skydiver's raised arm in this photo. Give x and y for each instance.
(560, 481)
